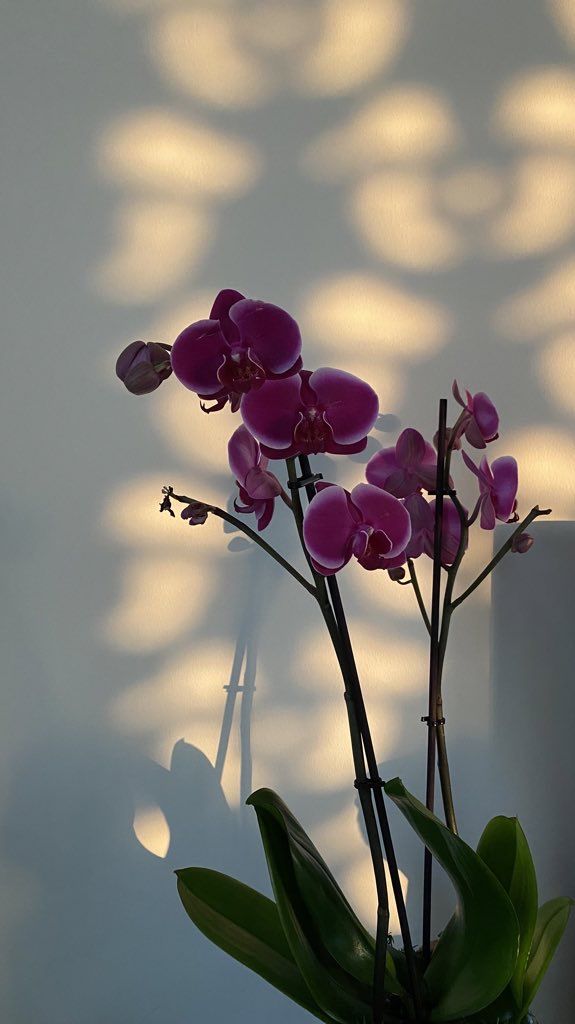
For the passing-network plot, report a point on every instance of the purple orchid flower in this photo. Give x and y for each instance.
(244, 343)
(422, 514)
(481, 422)
(407, 467)
(258, 488)
(497, 489)
(369, 523)
(324, 411)
(143, 366)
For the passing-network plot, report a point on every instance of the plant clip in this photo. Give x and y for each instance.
(433, 721)
(303, 481)
(376, 783)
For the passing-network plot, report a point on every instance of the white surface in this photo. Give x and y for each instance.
(400, 176)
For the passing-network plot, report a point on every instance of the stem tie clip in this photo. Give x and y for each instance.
(303, 481)
(369, 783)
(433, 721)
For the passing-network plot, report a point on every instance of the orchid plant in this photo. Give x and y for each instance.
(490, 958)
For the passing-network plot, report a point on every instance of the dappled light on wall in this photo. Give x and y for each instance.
(184, 699)
(406, 124)
(394, 213)
(200, 52)
(541, 211)
(545, 306)
(357, 39)
(158, 600)
(375, 317)
(546, 455)
(471, 191)
(157, 243)
(556, 369)
(156, 150)
(538, 108)
(152, 830)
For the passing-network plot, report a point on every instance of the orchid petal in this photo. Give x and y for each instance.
(488, 518)
(384, 512)
(261, 486)
(197, 355)
(264, 511)
(271, 332)
(243, 453)
(457, 394)
(485, 415)
(350, 404)
(504, 485)
(220, 310)
(473, 433)
(380, 467)
(271, 413)
(328, 528)
(410, 448)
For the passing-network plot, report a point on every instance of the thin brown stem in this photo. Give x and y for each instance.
(247, 530)
(418, 596)
(361, 781)
(535, 512)
(434, 669)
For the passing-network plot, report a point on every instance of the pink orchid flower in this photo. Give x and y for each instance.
(324, 411)
(497, 488)
(405, 468)
(422, 514)
(244, 343)
(367, 523)
(481, 421)
(258, 488)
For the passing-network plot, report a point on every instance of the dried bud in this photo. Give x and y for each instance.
(143, 366)
(522, 543)
(396, 574)
(196, 513)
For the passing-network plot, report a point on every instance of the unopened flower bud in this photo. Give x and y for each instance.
(196, 513)
(396, 574)
(522, 543)
(143, 366)
(450, 433)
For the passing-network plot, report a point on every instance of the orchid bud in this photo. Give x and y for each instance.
(396, 574)
(196, 513)
(450, 433)
(143, 366)
(522, 543)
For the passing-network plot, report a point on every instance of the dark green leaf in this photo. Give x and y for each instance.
(246, 925)
(476, 954)
(334, 951)
(504, 848)
(551, 922)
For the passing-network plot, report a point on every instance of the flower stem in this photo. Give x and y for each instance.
(247, 530)
(335, 620)
(434, 666)
(417, 591)
(535, 512)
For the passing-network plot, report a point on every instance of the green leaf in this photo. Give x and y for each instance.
(504, 848)
(245, 925)
(476, 954)
(333, 950)
(551, 922)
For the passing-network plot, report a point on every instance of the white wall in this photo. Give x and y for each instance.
(401, 177)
